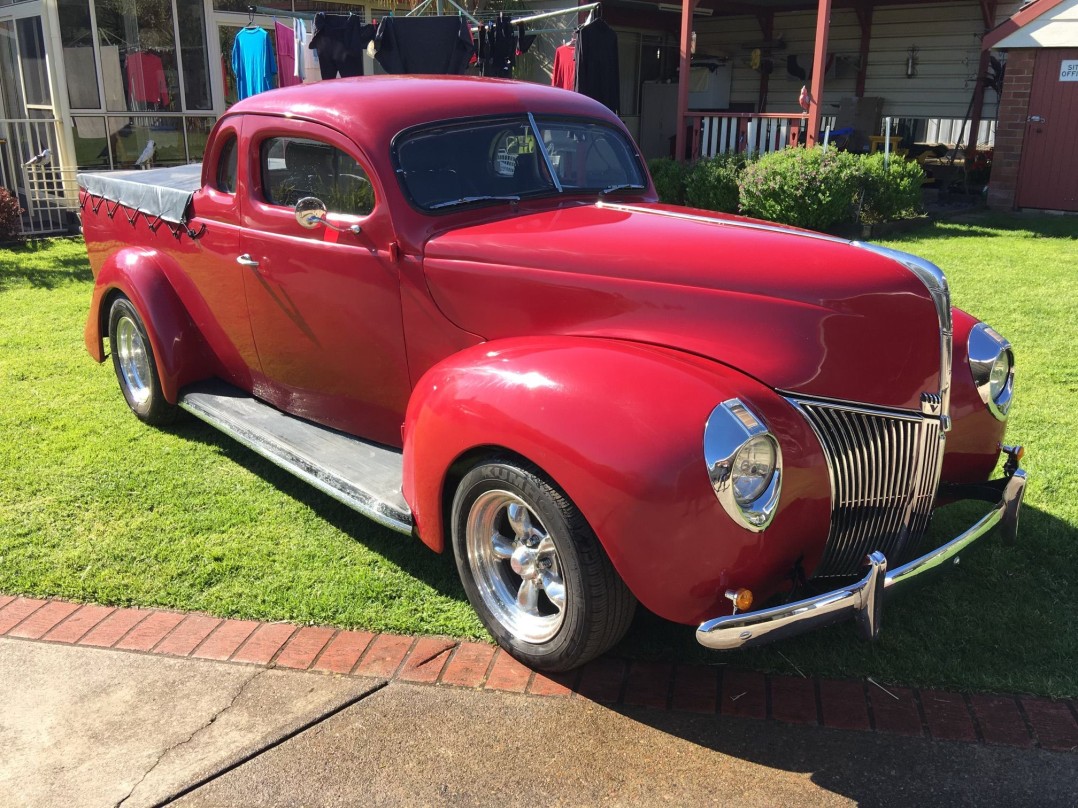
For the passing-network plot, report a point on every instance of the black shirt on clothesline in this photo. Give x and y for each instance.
(597, 64)
(434, 45)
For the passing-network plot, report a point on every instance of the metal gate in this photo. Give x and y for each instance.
(30, 168)
(1048, 172)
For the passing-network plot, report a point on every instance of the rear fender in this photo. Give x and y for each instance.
(619, 428)
(178, 347)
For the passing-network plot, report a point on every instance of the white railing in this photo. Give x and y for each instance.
(46, 189)
(956, 130)
(715, 133)
(751, 133)
(949, 131)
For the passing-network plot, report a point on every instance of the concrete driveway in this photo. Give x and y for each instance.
(83, 726)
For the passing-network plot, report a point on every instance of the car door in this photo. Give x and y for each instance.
(324, 305)
(212, 285)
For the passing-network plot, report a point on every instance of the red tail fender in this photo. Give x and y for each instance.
(177, 344)
(619, 427)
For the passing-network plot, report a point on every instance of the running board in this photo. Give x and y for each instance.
(364, 476)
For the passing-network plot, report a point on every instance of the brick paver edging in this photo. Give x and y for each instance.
(1008, 720)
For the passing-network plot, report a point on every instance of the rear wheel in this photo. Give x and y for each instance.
(534, 570)
(133, 361)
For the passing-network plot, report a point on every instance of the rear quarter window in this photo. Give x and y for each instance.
(226, 167)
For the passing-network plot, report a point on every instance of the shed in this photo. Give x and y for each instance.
(1036, 154)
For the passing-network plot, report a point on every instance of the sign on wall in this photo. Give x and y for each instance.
(1068, 70)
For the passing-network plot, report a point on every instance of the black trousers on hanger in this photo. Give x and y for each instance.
(340, 40)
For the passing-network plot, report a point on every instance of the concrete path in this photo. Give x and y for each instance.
(82, 726)
(415, 745)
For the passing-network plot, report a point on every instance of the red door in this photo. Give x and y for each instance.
(325, 307)
(1048, 175)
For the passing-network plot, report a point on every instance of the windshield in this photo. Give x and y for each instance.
(508, 159)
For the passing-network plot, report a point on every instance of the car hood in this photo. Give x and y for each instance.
(803, 313)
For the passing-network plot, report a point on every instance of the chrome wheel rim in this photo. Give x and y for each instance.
(134, 359)
(515, 566)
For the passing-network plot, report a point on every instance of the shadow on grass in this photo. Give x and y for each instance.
(437, 570)
(991, 224)
(965, 629)
(998, 621)
(34, 264)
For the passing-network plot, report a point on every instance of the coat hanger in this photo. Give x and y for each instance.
(250, 17)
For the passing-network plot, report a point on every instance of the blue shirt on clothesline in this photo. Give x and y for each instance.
(253, 62)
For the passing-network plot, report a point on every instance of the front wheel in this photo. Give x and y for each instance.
(133, 361)
(534, 570)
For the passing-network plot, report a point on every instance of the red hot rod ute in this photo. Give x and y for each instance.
(457, 306)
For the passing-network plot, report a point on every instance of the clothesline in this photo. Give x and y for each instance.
(488, 16)
(418, 10)
(295, 15)
(476, 18)
(547, 14)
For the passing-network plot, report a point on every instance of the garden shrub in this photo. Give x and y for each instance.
(711, 183)
(803, 187)
(669, 177)
(10, 217)
(890, 193)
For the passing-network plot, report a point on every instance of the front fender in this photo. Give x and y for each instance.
(619, 427)
(177, 345)
(973, 444)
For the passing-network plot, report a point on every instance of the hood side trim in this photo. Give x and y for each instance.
(692, 217)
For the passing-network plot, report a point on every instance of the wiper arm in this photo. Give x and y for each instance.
(467, 200)
(625, 186)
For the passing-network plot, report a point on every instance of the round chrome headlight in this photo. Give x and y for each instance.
(991, 361)
(1000, 375)
(752, 469)
(744, 463)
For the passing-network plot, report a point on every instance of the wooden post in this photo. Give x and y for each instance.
(819, 65)
(683, 78)
(864, 17)
(767, 28)
(988, 11)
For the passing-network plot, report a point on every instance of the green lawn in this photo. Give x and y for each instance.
(94, 506)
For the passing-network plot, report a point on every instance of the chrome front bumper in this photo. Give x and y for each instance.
(862, 600)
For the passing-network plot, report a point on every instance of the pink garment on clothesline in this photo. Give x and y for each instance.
(286, 55)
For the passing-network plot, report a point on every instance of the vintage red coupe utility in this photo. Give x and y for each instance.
(456, 305)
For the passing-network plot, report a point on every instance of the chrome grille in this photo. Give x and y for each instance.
(884, 468)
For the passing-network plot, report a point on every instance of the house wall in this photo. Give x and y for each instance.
(947, 37)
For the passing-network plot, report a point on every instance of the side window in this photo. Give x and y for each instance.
(226, 167)
(293, 168)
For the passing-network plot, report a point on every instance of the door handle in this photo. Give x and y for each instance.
(1036, 119)
(246, 260)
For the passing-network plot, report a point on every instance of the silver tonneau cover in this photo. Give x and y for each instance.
(158, 192)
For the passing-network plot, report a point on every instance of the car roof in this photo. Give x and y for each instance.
(372, 109)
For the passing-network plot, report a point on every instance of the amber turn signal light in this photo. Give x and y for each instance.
(741, 598)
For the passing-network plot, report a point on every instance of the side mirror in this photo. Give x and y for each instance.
(311, 212)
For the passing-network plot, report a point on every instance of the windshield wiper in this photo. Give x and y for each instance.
(625, 186)
(467, 200)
